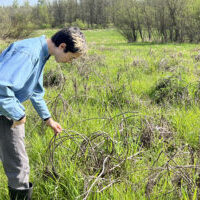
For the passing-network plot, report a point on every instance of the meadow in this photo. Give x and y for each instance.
(131, 119)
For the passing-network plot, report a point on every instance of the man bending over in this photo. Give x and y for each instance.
(21, 78)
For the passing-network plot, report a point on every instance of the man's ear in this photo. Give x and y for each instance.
(62, 46)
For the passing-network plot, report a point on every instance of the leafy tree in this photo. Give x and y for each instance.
(15, 4)
(126, 19)
(40, 14)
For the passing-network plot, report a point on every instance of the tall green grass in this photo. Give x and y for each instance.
(109, 91)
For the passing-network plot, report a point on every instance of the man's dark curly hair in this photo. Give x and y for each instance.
(72, 37)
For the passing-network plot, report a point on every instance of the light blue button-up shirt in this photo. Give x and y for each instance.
(21, 77)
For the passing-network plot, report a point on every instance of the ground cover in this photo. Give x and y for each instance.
(130, 114)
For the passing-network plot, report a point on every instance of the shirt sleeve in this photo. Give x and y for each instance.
(38, 101)
(10, 105)
(14, 71)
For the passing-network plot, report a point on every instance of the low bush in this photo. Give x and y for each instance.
(116, 96)
(79, 23)
(53, 78)
(172, 90)
(15, 26)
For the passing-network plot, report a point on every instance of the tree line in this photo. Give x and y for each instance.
(145, 20)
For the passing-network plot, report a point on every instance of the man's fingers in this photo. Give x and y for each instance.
(58, 129)
(54, 125)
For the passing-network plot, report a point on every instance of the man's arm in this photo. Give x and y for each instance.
(15, 67)
(38, 101)
(41, 107)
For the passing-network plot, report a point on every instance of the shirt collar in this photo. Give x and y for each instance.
(45, 52)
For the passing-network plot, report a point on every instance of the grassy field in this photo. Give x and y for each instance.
(131, 120)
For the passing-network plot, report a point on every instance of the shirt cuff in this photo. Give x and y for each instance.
(46, 119)
(21, 118)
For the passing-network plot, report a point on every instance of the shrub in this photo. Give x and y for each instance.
(154, 130)
(53, 78)
(116, 96)
(15, 26)
(168, 64)
(45, 26)
(197, 93)
(172, 90)
(80, 24)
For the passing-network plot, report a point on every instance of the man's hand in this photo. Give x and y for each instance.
(54, 125)
(17, 123)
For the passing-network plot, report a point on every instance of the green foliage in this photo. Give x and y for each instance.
(53, 78)
(155, 20)
(170, 90)
(105, 110)
(174, 21)
(127, 20)
(116, 97)
(15, 25)
(79, 23)
(40, 14)
(15, 4)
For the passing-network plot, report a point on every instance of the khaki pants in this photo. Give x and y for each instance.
(13, 154)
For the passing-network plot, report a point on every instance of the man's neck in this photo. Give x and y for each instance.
(51, 46)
